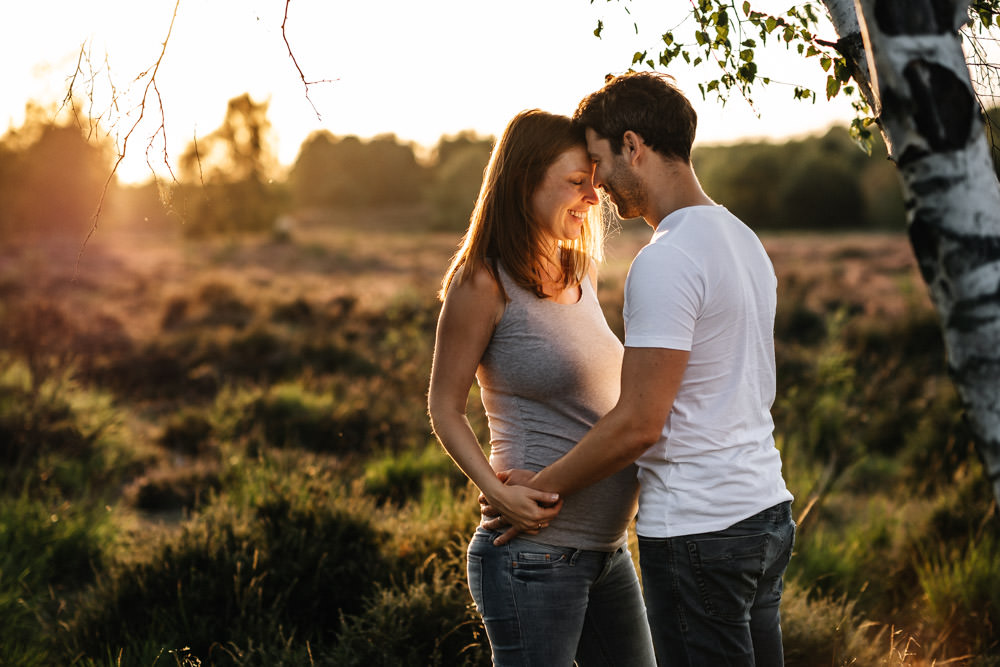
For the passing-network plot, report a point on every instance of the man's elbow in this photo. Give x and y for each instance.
(642, 437)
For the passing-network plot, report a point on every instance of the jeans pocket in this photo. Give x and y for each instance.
(539, 560)
(727, 570)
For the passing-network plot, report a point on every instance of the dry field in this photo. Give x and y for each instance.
(129, 275)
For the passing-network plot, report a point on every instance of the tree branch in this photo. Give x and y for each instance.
(295, 62)
(150, 84)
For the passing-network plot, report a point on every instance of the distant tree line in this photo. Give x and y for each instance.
(819, 182)
(52, 175)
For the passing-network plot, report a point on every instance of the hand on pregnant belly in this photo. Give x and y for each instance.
(520, 508)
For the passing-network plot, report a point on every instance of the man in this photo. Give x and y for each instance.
(698, 380)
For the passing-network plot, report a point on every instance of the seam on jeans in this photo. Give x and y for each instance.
(676, 587)
(513, 604)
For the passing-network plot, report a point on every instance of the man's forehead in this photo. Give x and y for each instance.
(595, 141)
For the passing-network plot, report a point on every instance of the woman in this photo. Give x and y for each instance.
(521, 317)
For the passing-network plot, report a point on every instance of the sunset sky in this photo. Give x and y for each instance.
(418, 69)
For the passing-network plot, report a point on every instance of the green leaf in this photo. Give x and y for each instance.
(668, 38)
(749, 43)
(746, 54)
(771, 23)
(841, 70)
(861, 135)
(812, 51)
(599, 29)
(825, 63)
(747, 72)
(701, 37)
(638, 57)
(832, 87)
(746, 8)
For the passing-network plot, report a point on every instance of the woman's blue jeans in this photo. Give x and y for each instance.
(713, 598)
(548, 606)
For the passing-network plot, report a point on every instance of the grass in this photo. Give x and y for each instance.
(217, 453)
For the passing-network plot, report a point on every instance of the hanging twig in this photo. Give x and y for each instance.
(150, 84)
(295, 62)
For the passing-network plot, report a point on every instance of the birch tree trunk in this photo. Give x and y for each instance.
(919, 86)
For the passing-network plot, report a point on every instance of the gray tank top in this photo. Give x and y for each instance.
(549, 373)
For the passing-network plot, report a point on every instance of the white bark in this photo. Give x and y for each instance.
(932, 125)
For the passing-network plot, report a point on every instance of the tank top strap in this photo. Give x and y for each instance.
(515, 293)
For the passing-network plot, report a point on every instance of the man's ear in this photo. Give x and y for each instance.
(632, 145)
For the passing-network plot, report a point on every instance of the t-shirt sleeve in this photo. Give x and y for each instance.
(664, 293)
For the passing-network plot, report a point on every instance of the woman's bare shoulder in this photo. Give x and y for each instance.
(479, 282)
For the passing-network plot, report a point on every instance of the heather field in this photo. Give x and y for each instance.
(216, 452)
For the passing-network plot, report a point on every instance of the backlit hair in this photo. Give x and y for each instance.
(648, 103)
(503, 228)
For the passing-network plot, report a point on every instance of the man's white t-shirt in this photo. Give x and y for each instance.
(705, 284)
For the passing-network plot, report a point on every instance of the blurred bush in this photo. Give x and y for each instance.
(227, 181)
(52, 176)
(821, 182)
(456, 179)
(335, 171)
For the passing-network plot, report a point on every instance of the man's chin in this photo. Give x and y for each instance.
(624, 213)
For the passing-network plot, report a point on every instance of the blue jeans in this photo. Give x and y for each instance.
(548, 606)
(713, 598)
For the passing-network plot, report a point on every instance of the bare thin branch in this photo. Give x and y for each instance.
(150, 84)
(295, 62)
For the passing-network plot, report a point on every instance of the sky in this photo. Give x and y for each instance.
(417, 68)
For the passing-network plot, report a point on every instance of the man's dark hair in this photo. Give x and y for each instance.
(649, 104)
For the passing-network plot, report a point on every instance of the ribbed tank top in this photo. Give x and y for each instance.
(550, 371)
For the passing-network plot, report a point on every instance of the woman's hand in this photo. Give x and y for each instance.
(526, 509)
(517, 507)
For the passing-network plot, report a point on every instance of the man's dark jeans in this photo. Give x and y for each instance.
(713, 598)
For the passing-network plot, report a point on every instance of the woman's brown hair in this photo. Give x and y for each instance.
(502, 227)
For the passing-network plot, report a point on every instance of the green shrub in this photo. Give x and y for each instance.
(232, 579)
(187, 431)
(857, 547)
(423, 619)
(963, 598)
(347, 418)
(401, 477)
(60, 436)
(34, 425)
(47, 553)
(177, 489)
(820, 630)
